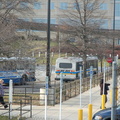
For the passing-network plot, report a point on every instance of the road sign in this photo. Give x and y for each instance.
(91, 72)
(109, 60)
(46, 86)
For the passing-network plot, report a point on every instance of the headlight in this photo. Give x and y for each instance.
(98, 118)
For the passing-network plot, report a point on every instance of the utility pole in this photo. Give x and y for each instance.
(48, 45)
(113, 30)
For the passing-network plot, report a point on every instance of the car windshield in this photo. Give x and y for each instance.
(118, 106)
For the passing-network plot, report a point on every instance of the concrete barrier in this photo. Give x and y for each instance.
(50, 96)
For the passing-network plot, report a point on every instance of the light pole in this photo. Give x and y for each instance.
(113, 30)
(59, 42)
(48, 45)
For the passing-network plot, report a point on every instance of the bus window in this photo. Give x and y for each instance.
(14, 65)
(9, 65)
(32, 67)
(4, 66)
(20, 66)
(65, 65)
(26, 65)
(1, 66)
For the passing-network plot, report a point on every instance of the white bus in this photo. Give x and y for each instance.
(18, 69)
(70, 67)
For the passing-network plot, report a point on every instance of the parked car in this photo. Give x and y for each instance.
(106, 114)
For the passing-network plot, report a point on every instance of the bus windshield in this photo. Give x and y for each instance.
(65, 65)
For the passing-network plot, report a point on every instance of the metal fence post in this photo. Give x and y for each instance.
(30, 107)
(9, 111)
(75, 88)
(70, 89)
(25, 95)
(114, 81)
(20, 109)
(65, 91)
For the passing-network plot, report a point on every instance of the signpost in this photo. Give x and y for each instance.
(61, 86)
(91, 75)
(80, 86)
(80, 111)
(10, 98)
(103, 95)
(46, 94)
(109, 60)
(90, 103)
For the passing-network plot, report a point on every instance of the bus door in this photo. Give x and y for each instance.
(78, 65)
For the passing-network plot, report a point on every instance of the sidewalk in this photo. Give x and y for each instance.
(69, 108)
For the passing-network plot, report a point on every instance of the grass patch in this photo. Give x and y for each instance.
(18, 97)
(13, 118)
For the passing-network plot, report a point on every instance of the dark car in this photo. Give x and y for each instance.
(106, 114)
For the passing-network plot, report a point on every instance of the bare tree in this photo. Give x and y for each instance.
(83, 21)
(10, 11)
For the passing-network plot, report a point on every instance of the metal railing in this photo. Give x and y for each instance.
(72, 89)
(22, 102)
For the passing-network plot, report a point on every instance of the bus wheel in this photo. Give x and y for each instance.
(24, 79)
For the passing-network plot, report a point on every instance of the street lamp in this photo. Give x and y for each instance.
(48, 45)
(113, 30)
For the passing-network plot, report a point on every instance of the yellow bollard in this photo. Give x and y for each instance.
(111, 96)
(90, 112)
(80, 114)
(116, 93)
(103, 101)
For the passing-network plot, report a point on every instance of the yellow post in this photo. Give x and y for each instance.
(111, 96)
(80, 114)
(90, 112)
(103, 101)
(116, 93)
